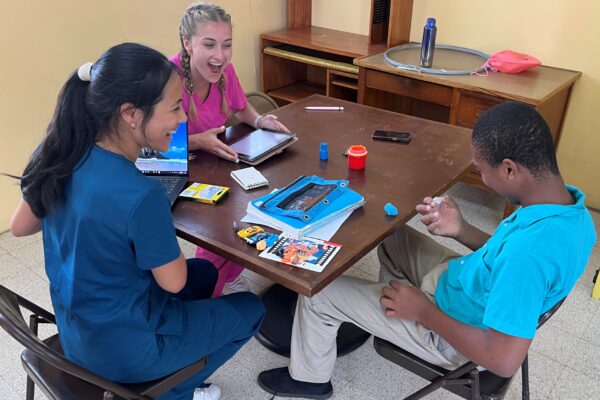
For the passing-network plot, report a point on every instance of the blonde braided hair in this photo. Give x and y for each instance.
(195, 14)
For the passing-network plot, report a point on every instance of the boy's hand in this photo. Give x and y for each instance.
(441, 216)
(404, 301)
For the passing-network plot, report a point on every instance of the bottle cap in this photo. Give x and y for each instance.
(357, 157)
(390, 209)
(323, 151)
(430, 22)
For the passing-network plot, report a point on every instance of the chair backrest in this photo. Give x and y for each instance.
(546, 316)
(14, 324)
(260, 101)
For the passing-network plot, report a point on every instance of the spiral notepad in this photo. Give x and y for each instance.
(249, 178)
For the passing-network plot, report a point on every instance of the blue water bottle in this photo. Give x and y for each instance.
(428, 43)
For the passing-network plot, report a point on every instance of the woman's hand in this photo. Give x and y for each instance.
(441, 216)
(209, 142)
(270, 122)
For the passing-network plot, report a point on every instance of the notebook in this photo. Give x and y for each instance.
(170, 168)
(249, 178)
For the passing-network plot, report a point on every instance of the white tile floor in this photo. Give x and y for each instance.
(564, 357)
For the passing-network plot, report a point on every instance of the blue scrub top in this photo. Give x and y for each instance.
(114, 226)
(531, 262)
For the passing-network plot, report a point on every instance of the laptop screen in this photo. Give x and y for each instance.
(173, 162)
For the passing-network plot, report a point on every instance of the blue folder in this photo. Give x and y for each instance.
(305, 205)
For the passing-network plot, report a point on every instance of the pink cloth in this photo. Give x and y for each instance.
(228, 270)
(208, 114)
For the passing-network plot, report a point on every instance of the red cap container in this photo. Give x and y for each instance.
(357, 157)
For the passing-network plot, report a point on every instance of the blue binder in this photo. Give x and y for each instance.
(305, 205)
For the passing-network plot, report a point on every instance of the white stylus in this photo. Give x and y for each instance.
(323, 108)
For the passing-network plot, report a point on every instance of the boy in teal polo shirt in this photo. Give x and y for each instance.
(449, 309)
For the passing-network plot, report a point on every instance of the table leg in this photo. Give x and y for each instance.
(276, 330)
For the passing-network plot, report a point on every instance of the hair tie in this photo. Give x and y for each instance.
(85, 72)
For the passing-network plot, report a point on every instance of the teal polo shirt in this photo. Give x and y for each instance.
(532, 260)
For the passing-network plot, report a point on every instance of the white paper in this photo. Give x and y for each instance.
(324, 232)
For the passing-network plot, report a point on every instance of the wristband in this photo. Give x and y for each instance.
(256, 120)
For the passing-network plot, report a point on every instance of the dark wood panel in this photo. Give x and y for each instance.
(327, 40)
(296, 91)
(278, 72)
(554, 111)
(471, 107)
(412, 88)
(400, 20)
(299, 13)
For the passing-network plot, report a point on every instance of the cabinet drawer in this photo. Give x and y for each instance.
(471, 107)
(412, 88)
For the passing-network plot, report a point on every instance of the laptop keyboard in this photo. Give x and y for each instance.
(168, 183)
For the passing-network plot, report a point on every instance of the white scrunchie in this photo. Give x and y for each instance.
(85, 72)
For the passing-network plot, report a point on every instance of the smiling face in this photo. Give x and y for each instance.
(210, 50)
(165, 119)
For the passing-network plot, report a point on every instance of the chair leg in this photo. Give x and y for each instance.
(30, 389)
(452, 379)
(525, 378)
(475, 393)
(33, 325)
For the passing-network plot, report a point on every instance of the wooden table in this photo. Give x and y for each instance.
(438, 155)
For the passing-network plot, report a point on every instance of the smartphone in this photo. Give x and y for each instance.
(400, 137)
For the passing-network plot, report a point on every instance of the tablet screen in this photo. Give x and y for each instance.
(258, 143)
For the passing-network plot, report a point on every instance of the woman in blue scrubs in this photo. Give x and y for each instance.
(128, 305)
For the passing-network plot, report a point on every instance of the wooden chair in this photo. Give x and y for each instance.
(466, 381)
(260, 101)
(60, 379)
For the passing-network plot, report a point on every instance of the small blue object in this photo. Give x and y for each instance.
(390, 209)
(271, 239)
(323, 152)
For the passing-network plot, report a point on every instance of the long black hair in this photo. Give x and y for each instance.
(126, 73)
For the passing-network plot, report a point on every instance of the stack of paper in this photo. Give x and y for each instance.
(323, 225)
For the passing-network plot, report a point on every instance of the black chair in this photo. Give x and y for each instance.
(466, 381)
(61, 379)
(260, 101)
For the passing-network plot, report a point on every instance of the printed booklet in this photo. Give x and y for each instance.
(308, 253)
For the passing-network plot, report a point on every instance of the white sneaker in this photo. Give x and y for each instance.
(240, 284)
(211, 392)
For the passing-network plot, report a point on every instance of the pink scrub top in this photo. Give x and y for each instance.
(208, 114)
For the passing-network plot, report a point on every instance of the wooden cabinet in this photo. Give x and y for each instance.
(303, 59)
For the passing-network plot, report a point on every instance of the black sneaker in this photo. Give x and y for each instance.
(278, 382)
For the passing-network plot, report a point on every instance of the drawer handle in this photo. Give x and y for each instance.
(408, 82)
(479, 111)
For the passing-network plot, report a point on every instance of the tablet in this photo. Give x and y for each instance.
(259, 143)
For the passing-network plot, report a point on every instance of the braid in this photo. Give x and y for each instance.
(196, 14)
(224, 106)
(187, 79)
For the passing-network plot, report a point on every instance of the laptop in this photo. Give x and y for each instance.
(170, 168)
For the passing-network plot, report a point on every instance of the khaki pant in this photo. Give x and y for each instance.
(407, 256)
